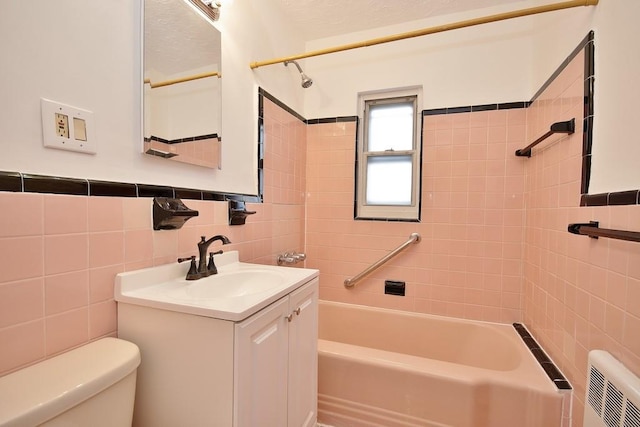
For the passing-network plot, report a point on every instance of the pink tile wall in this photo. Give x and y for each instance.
(468, 263)
(59, 254)
(580, 293)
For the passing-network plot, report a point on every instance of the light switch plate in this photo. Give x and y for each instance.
(80, 138)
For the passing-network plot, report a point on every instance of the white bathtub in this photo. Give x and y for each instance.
(389, 368)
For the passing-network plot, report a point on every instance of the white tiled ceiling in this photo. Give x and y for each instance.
(325, 18)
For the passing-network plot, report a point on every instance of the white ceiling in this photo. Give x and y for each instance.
(173, 31)
(317, 19)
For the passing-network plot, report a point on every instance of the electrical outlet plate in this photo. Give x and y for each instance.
(78, 125)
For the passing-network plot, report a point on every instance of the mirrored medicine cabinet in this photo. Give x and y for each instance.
(182, 118)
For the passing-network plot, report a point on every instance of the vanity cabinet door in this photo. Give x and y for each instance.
(261, 364)
(303, 356)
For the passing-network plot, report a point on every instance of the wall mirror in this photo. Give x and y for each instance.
(182, 84)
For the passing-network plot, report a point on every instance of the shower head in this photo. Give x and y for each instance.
(306, 80)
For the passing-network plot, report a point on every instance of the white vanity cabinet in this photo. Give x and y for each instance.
(204, 371)
(276, 363)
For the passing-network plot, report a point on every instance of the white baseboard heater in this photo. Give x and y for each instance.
(613, 393)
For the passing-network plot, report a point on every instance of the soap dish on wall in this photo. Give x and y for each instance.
(238, 212)
(170, 214)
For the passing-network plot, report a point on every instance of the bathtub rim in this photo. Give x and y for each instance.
(536, 374)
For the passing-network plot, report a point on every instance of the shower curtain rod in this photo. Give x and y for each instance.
(432, 30)
(182, 79)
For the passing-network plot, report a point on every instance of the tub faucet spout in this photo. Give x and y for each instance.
(203, 246)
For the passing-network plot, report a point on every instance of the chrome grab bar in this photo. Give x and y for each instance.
(413, 238)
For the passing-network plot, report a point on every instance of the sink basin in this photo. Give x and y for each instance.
(235, 293)
(231, 284)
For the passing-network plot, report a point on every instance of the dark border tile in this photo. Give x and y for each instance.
(475, 108)
(145, 190)
(260, 171)
(589, 50)
(180, 140)
(562, 384)
(587, 138)
(485, 107)
(324, 120)
(589, 84)
(624, 198)
(342, 119)
(586, 173)
(541, 357)
(630, 197)
(10, 181)
(385, 219)
(513, 105)
(113, 189)
(456, 110)
(157, 138)
(279, 104)
(213, 196)
(55, 185)
(601, 199)
(434, 112)
(588, 46)
(552, 371)
(187, 193)
(585, 41)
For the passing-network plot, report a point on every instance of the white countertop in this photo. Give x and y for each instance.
(164, 287)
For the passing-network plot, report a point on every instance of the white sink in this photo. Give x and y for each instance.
(235, 293)
(229, 284)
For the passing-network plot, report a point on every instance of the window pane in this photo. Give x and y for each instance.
(389, 180)
(391, 127)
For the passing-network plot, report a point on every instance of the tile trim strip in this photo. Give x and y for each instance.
(32, 183)
(583, 43)
(264, 93)
(476, 108)
(545, 362)
(179, 140)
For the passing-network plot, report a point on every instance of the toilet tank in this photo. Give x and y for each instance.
(93, 385)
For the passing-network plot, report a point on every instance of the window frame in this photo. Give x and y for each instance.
(388, 212)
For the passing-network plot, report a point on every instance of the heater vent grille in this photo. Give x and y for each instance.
(613, 406)
(613, 393)
(632, 415)
(596, 389)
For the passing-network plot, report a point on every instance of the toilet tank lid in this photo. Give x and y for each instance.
(39, 392)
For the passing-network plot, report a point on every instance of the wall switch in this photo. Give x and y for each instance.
(67, 128)
(79, 129)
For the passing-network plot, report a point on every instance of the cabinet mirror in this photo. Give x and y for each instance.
(182, 84)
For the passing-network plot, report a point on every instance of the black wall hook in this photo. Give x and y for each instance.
(238, 212)
(170, 214)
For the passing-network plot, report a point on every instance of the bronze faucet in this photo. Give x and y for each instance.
(204, 270)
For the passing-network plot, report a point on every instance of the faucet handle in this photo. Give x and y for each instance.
(192, 274)
(211, 267)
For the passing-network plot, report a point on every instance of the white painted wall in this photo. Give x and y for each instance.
(490, 63)
(617, 82)
(94, 63)
(87, 54)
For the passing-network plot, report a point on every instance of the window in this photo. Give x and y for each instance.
(388, 157)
